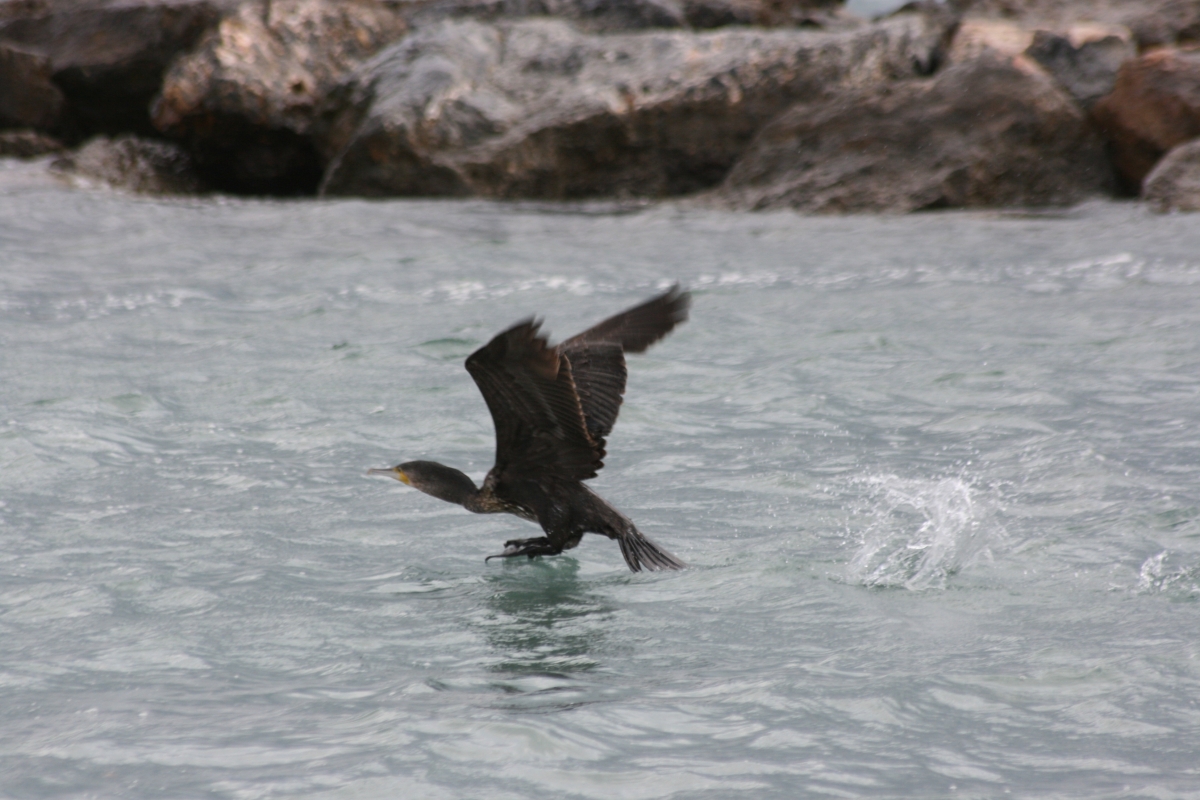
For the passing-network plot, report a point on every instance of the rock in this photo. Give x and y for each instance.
(1082, 57)
(1165, 23)
(245, 100)
(537, 109)
(1154, 106)
(134, 164)
(1174, 185)
(28, 97)
(979, 133)
(27, 144)
(1153, 23)
(107, 58)
(974, 37)
(1088, 70)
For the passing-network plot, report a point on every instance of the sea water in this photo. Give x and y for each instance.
(937, 478)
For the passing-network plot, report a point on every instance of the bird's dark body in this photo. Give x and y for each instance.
(552, 408)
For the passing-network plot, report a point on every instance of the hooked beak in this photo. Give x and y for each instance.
(391, 472)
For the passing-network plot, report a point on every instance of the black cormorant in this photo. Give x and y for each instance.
(552, 408)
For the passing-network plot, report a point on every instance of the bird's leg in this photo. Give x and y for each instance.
(541, 546)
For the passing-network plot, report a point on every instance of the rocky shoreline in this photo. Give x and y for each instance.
(743, 104)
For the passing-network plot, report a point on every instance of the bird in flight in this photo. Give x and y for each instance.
(552, 408)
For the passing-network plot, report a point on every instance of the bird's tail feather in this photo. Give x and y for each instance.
(641, 553)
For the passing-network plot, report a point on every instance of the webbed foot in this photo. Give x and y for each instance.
(540, 546)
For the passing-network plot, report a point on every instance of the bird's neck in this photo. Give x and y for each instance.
(449, 485)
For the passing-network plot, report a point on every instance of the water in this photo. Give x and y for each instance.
(938, 477)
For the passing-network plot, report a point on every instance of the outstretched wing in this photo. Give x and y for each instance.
(598, 354)
(529, 389)
(641, 326)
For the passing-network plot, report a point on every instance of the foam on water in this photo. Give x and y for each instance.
(1159, 574)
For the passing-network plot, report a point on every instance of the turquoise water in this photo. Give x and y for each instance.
(937, 476)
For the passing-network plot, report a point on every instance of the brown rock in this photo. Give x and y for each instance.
(538, 109)
(137, 165)
(1174, 185)
(244, 101)
(28, 98)
(979, 133)
(107, 58)
(1154, 107)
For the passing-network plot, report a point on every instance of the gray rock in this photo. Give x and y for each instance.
(244, 101)
(1089, 71)
(979, 133)
(107, 58)
(1174, 185)
(138, 165)
(537, 109)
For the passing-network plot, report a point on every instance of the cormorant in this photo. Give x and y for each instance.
(552, 408)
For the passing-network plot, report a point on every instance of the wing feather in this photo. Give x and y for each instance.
(598, 354)
(530, 391)
(599, 371)
(641, 326)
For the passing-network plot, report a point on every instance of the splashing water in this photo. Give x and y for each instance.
(1155, 576)
(924, 531)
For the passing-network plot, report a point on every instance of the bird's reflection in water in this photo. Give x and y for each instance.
(545, 622)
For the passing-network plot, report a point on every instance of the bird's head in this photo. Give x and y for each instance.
(396, 472)
(444, 483)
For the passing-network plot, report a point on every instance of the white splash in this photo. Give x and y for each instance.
(924, 530)
(1155, 576)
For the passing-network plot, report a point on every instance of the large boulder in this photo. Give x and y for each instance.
(244, 101)
(983, 132)
(537, 109)
(144, 166)
(106, 58)
(1154, 107)
(1174, 185)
